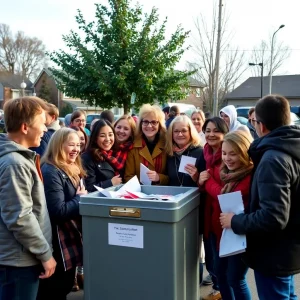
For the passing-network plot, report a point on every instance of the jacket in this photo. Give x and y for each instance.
(234, 125)
(25, 230)
(181, 179)
(63, 206)
(213, 187)
(98, 173)
(136, 155)
(272, 220)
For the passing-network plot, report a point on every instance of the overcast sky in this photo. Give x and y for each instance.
(250, 21)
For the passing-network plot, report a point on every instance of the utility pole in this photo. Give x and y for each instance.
(216, 88)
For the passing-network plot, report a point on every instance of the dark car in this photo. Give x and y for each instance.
(90, 118)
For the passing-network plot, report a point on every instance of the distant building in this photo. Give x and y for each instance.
(249, 91)
(10, 87)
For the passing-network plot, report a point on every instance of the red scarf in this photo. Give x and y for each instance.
(212, 159)
(117, 158)
(157, 160)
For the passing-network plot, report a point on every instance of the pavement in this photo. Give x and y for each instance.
(204, 290)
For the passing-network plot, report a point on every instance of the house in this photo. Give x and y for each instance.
(250, 91)
(45, 87)
(10, 87)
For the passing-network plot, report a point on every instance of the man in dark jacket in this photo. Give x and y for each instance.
(251, 117)
(271, 222)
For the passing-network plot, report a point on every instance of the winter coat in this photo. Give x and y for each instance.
(25, 230)
(182, 179)
(98, 173)
(136, 156)
(272, 219)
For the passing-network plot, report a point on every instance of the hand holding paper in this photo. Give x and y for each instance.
(144, 179)
(184, 161)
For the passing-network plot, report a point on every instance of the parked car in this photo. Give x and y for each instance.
(295, 119)
(186, 109)
(242, 111)
(242, 120)
(90, 118)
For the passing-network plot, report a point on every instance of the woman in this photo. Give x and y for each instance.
(215, 129)
(149, 146)
(101, 166)
(82, 137)
(229, 115)
(62, 172)
(78, 118)
(234, 175)
(183, 139)
(198, 119)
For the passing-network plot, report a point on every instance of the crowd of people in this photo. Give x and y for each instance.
(40, 225)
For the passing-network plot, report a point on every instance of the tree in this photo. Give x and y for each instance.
(231, 59)
(122, 52)
(45, 91)
(262, 54)
(20, 54)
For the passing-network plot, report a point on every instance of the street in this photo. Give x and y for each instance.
(204, 290)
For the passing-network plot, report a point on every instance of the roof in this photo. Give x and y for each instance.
(195, 83)
(286, 85)
(47, 71)
(14, 81)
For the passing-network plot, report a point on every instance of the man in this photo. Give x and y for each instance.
(25, 230)
(173, 113)
(250, 124)
(52, 124)
(272, 219)
(166, 111)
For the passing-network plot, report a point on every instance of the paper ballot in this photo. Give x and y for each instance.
(184, 161)
(143, 175)
(231, 243)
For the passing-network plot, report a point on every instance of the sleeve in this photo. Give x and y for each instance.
(163, 179)
(17, 211)
(213, 188)
(130, 169)
(60, 209)
(273, 183)
(200, 163)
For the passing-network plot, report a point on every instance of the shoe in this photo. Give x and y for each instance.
(213, 295)
(75, 287)
(80, 279)
(207, 280)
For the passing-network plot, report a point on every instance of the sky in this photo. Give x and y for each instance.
(249, 22)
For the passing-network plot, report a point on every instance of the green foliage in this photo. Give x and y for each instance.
(45, 92)
(66, 109)
(122, 51)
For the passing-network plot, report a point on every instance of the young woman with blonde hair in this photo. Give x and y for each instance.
(235, 175)
(198, 119)
(62, 173)
(149, 146)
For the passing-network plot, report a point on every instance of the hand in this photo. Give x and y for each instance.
(116, 180)
(225, 220)
(153, 176)
(203, 177)
(193, 172)
(81, 190)
(49, 267)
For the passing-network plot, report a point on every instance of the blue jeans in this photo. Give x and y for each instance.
(275, 287)
(18, 283)
(211, 255)
(231, 273)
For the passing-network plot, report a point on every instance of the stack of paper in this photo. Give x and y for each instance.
(231, 243)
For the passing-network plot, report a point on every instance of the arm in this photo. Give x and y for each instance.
(274, 199)
(212, 187)
(16, 211)
(60, 209)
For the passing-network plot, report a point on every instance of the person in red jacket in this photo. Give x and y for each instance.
(215, 129)
(234, 174)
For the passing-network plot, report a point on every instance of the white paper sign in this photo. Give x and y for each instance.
(126, 235)
(231, 243)
(184, 161)
(143, 175)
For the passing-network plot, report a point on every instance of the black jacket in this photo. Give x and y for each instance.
(181, 179)
(98, 173)
(272, 220)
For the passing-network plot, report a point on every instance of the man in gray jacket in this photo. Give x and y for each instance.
(25, 230)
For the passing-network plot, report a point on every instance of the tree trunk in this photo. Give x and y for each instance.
(126, 108)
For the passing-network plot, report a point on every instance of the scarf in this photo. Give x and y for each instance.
(117, 158)
(180, 151)
(157, 160)
(212, 159)
(232, 179)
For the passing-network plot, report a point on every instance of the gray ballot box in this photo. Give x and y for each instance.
(139, 249)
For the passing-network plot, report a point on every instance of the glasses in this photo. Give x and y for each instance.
(183, 131)
(146, 123)
(255, 121)
(79, 120)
